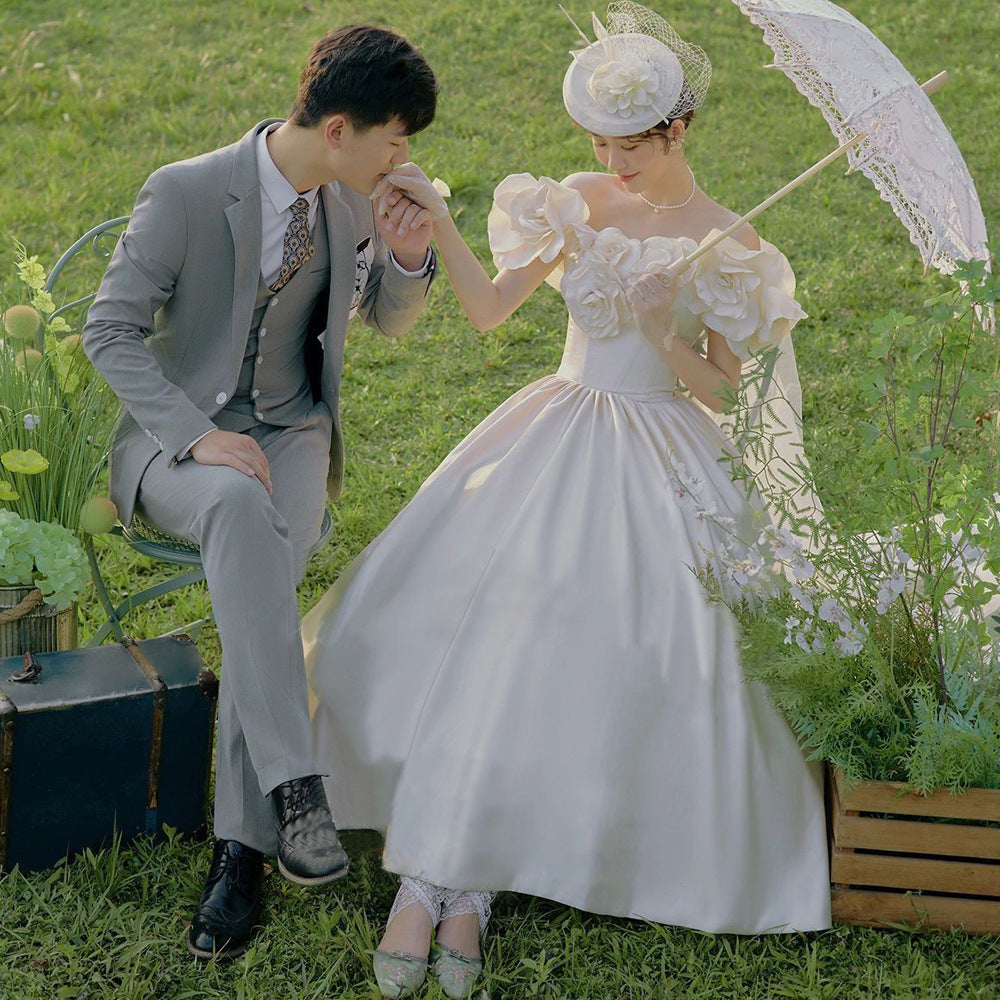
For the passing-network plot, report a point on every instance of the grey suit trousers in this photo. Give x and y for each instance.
(254, 550)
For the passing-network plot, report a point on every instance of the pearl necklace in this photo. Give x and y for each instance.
(659, 208)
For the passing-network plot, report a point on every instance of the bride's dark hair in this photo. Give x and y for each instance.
(661, 130)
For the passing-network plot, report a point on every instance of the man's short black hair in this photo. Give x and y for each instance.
(369, 74)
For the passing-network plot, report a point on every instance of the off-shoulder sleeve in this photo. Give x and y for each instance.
(533, 219)
(748, 296)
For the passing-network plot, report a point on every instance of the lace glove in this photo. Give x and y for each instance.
(413, 183)
(650, 297)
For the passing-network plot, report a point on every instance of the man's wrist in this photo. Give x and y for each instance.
(412, 265)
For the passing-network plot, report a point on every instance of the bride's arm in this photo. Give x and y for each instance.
(706, 375)
(712, 377)
(486, 301)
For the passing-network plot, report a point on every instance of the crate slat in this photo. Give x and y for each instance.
(861, 906)
(909, 837)
(893, 872)
(889, 797)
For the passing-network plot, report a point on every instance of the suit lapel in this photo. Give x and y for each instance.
(243, 216)
(340, 231)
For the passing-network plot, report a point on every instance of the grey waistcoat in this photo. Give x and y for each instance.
(273, 386)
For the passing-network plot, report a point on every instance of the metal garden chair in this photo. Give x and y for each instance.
(140, 535)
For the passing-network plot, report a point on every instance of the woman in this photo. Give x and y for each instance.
(521, 679)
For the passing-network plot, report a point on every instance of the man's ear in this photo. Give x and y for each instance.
(333, 130)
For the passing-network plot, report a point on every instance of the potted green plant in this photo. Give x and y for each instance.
(879, 637)
(55, 425)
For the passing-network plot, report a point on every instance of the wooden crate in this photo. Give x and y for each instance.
(884, 849)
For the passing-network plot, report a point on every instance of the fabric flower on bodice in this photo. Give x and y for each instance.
(745, 295)
(626, 86)
(533, 219)
(594, 286)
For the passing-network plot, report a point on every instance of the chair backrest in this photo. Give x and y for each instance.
(100, 241)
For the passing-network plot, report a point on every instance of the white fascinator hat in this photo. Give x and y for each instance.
(638, 73)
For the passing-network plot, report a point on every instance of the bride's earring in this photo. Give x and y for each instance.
(399, 973)
(456, 972)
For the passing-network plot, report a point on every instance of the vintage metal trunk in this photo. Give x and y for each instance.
(104, 740)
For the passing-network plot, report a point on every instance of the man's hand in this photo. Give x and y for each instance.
(238, 451)
(406, 229)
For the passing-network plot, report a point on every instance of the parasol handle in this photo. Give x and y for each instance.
(934, 84)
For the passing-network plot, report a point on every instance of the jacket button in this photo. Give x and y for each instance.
(221, 398)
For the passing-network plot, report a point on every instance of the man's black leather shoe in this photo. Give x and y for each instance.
(309, 851)
(229, 910)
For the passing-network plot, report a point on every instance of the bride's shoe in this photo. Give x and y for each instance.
(455, 971)
(399, 973)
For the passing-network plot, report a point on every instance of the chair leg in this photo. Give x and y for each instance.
(114, 622)
(116, 614)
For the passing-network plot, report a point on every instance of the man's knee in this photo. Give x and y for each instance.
(235, 496)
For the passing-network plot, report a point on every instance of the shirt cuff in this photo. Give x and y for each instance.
(185, 452)
(421, 272)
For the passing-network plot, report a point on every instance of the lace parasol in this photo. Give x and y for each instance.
(885, 122)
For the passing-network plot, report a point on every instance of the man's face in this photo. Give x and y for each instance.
(366, 157)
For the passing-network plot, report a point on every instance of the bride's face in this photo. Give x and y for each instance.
(639, 163)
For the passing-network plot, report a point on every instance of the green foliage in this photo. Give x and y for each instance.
(880, 648)
(57, 411)
(874, 714)
(55, 430)
(45, 555)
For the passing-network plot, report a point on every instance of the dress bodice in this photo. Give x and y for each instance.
(604, 345)
(745, 295)
(627, 363)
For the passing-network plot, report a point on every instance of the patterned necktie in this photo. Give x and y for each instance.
(298, 246)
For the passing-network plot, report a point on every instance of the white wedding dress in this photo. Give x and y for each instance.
(521, 681)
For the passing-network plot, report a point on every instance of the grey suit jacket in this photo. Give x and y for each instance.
(168, 328)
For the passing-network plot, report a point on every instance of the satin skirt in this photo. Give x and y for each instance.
(522, 683)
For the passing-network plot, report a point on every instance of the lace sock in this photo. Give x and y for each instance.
(417, 890)
(456, 902)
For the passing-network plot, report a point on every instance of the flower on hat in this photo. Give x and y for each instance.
(627, 85)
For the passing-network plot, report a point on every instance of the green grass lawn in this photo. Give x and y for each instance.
(95, 94)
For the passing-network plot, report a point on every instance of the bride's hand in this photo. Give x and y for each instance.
(650, 298)
(410, 181)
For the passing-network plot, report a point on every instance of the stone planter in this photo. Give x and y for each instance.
(26, 622)
(922, 860)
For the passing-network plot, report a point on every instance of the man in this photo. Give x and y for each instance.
(220, 324)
